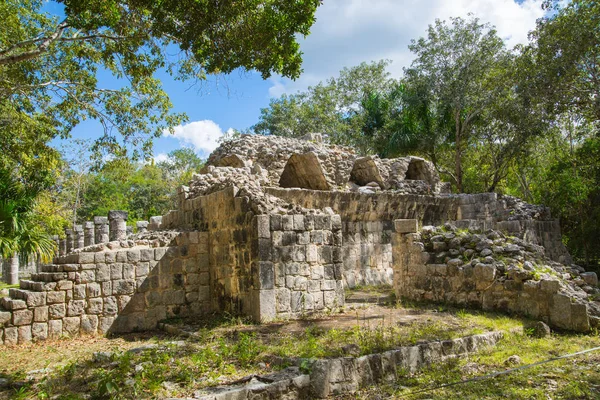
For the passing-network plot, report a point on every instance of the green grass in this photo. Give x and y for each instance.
(4, 285)
(226, 349)
(574, 378)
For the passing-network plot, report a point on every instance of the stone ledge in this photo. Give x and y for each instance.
(341, 375)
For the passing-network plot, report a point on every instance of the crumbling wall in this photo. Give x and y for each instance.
(117, 287)
(367, 225)
(493, 273)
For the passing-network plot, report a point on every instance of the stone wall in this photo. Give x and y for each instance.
(305, 254)
(121, 287)
(488, 272)
(367, 225)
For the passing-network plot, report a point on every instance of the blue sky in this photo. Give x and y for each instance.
(347, 32)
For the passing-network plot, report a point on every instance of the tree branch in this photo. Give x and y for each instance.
(42, 48)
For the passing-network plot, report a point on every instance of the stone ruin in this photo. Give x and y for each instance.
(277, 227)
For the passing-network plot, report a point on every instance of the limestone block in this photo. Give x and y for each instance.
(11, 336)
(22, 317)
(55, 329)
(122, 256)
(283, 299)
(580, 321)
(590, 278)
(39, 331)
(116, 271)
(102, 272)
(263, 225)
(110, 305)
(311, 254)
(406, 225)
(75, 308)
(40, 314)
(123, 287)
(95, 306)
(122, 302)
(330, 299)
(71, 325)
(560, 311)
(56, 311)
(85, 276)
(106, 288)
(24, 334)
(104, 324)
(148, 254)
(79, 292)
(64, 285)
(5, 317)
(484, 272)
(128, 271)
(142, 269)
(287, 222)
(110, 257)
(317, 272)
(550, 285)
(133, 255)
(159, 253)
(94, 290)
(89, 324)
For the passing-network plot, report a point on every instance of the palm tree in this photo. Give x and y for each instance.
(21, 239)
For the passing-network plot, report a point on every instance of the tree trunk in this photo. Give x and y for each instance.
(458, 155)
(12, 277)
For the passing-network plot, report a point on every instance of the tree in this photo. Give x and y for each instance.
(49, 63)
(334, 108)
(20, 236)
(565, 54)
(454, 64)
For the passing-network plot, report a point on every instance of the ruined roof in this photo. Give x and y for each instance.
(255, 161)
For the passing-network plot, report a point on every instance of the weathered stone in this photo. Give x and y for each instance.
(22, 317)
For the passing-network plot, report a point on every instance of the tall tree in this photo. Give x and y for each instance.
(456, 60)
(49, 63)
(20, 236)
(334, 107)
(565, 54)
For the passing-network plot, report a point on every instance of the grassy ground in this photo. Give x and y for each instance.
(6, 286)
(572, 378)
(227, 349)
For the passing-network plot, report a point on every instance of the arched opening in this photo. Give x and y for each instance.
(303, 171)
(365, 171)
(417, 170)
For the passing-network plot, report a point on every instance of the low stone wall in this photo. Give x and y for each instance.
(122, 289)
(338, 376)
(472, 274)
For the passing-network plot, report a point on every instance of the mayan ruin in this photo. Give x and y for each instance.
(275, 228)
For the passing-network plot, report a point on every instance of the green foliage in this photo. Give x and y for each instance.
(48, 65)
(19, 232)
(337, 108)
(144, 190)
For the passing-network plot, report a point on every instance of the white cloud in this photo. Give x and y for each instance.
(160, 157)
(203, 136)
(348, 32)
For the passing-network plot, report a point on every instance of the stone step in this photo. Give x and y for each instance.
(49, 276)
(31, 285)
(46, 286)
(10, 304)
(59, 268)
(32, 299)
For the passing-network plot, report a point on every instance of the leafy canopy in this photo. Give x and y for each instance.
(49, 63)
